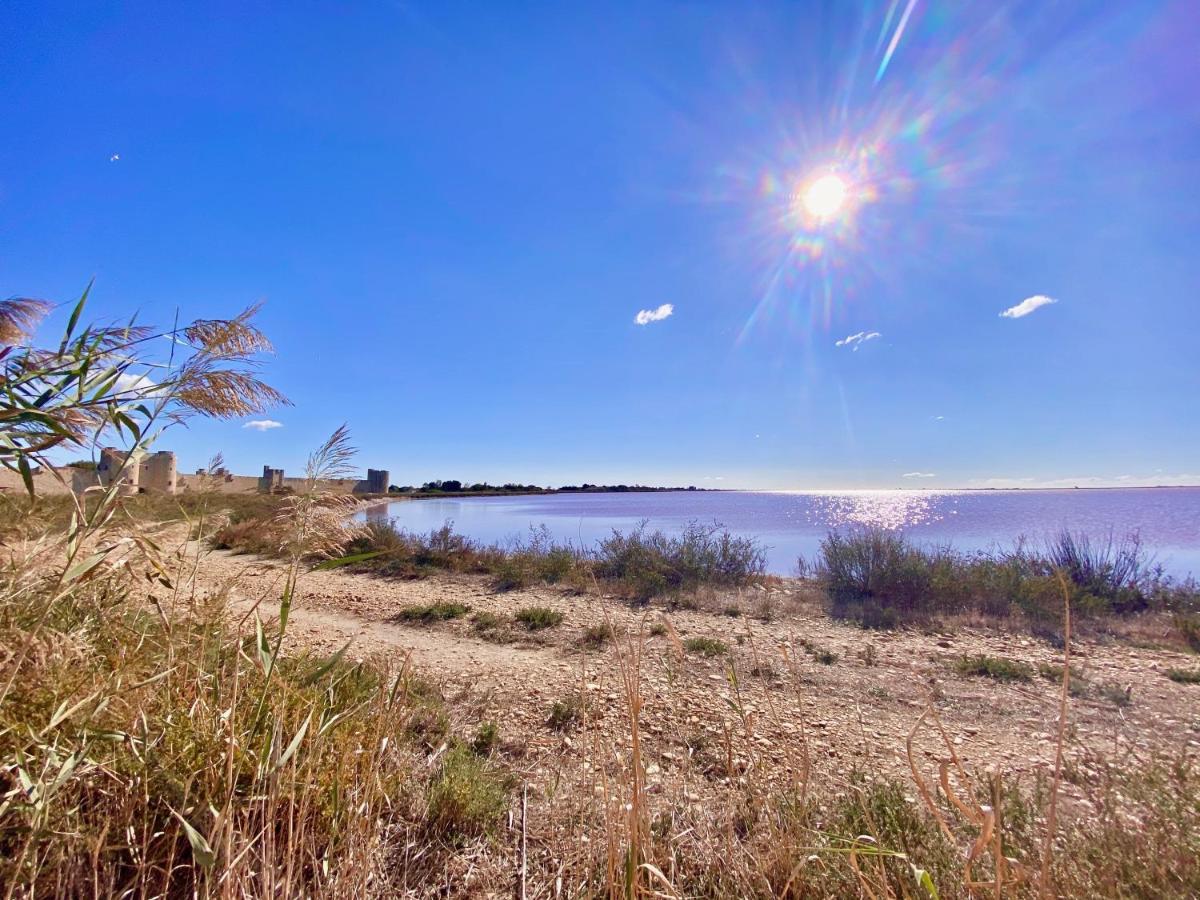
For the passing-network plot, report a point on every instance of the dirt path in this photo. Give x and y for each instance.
(335, 607)
(855, 694)
(437, 651)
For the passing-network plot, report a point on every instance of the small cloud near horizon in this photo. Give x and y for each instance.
(919, 475)
(1026, 306)
(262, 424)
(646, 316)
(857, 340)
(1158, 479)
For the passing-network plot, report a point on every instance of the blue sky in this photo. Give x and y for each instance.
(454, 213)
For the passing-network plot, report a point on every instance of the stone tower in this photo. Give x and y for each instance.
(271, 481)
(378, 481)
(114, 467)
(157, 473)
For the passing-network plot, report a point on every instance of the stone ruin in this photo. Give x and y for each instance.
(157, 473)
(136, 474)
(271, 481)
(376, 482)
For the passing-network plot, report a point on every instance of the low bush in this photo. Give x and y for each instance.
(486, 737)
(393, 552)
(596, 636)
(488, 621)
(1054, 672)
(880, 579)
(647, 564)
(438, 611)
(1184, 676)
(540, 559)
(466, 798)
(705, 646)
(995, 667)
(535, 618)
(565, 713)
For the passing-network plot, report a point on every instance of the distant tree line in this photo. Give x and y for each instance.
(454, 486)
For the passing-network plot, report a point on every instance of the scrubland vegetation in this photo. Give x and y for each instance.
(881, 580)
(640, 565)
(161, 740)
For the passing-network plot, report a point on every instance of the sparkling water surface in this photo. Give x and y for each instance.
(791, 524)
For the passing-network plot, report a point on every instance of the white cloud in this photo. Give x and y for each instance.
(1026, 306)
(646, 316)
(130, 383)
(919, 475)
(263, 424)
(857, 340)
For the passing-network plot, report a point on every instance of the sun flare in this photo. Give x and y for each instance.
(825, 196)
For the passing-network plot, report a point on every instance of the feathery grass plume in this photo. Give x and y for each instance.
(315, 522)
(224, 393)
(235, 338)
(107, 380)
(19, 316)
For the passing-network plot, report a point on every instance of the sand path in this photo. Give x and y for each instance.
(436, 650)
(336, 607)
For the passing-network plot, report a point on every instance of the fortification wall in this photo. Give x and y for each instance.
(249, 484)
(44, 483)
(47, 485)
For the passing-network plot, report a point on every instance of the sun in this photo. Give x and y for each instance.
(825, 196)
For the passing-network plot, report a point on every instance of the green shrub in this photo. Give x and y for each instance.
(1054, 672)
(1111, 574)
(995, 667)
(438, 611)
(494, 629)
(486, 738)
(465, 798)
(488, 621)
(651, 563)
(511, 572)
(1184, 676)
(565, 713)
(540, 559)
(535, 618)
(596, 636)
(705, 646)
(880, 579)
(402, 554)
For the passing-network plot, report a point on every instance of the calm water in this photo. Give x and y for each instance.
(792, 524)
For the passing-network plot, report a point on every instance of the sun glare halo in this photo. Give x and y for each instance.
(825, 196)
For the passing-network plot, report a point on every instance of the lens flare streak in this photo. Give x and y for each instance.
(895, 41)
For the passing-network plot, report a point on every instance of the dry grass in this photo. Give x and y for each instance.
(173, 746)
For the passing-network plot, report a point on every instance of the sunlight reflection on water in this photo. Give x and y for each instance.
(882, 509)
